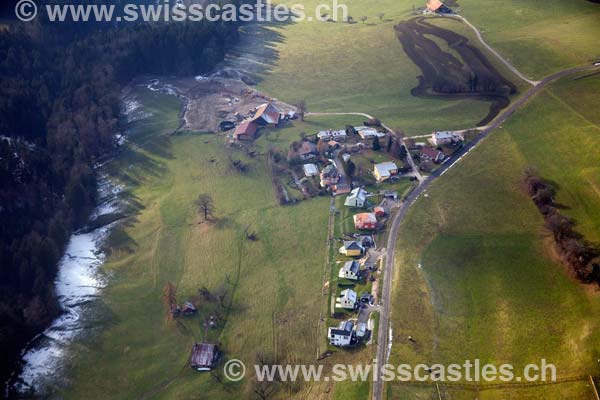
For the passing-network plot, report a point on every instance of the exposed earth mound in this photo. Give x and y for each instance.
(457, 70)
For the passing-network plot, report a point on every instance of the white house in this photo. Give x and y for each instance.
(310, 170)
(338, 136)
(356, 198)
(445, 137)
(350, 270)
(368, 133)
(341, 335)
(346, 300)
(383, 171)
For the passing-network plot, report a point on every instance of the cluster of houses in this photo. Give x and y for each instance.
(438, 140)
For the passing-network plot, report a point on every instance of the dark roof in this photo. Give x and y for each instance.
(204, 355)
(352, 245)
(429, 152)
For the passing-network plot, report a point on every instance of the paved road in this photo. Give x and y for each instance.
(494, 52)
(384, 325)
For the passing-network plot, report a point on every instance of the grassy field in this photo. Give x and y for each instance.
(476, 277)
(273, 283)
(359, 67)
(538, 38)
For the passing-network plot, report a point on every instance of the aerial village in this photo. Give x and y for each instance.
(366, 171)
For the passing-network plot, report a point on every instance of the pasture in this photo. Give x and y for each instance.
(476, 275)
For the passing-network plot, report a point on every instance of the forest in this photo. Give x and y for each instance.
(60, 88)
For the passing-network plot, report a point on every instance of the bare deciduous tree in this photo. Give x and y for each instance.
(380, 16)
(302, 109)
(364, 19)
(206, 205)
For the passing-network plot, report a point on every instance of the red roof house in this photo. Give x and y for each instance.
(365, 221)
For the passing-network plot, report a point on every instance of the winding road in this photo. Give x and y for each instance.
(384, 320)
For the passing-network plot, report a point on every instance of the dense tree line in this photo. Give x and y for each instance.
(59, 113)
(582, 257)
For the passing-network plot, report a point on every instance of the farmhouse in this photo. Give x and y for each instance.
(357, 198)
(350, 270)
(310, 170)
(385, 171)
(346, 300)
(445, 137)
(267, 114)
(245, 131)
(365, 221)
(342, 335)
(368, 133)
(338, 136)
(204, 356)
(306, 151)
(430, 154)
(329, 176)
(352, 248)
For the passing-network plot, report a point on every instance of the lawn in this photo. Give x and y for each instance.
(475, 274)
(538, 38)
(273, 283)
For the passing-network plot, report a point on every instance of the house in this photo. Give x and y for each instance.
(350, 270)
(352, 248)
(356, 198)
(306, 151)
(267, 114)
(445, 137)
(361, 330)
(329, 176)
(379, 211)
(188, 308)
(245, 131)
(366, 241)
(346, 157)
(204, 356)
(342, 334)
(438, 7)
(390, 194)
(310, 170)
(368, 133)
(384, 171)
(431, 154)
(346, 300)
(365, 221)
(337, 136)
(341, 188)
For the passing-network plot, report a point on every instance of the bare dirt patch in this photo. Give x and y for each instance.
(462, 71)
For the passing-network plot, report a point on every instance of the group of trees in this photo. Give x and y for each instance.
(59, 113)
(582, 257)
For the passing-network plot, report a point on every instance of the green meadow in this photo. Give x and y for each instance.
(476, 274)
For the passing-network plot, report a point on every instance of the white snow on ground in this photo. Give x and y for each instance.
(78, 281)
(133, 110)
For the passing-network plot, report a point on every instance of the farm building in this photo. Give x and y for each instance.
(446, 137)
(342, 334)
(310, 170)
(438, 7)
(352, 248)
(385, 171)
(350, 270)
(356, 198)
(430, 154)
(368, 133)
(267, 114)
(346, 300)
(246, 131)
(365, 221)
(332, 135)
(329, 176)
(204, 356)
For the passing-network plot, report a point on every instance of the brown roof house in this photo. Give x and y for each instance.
(246, 131)
(267, 114)
(430, 154)
(204, 356)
